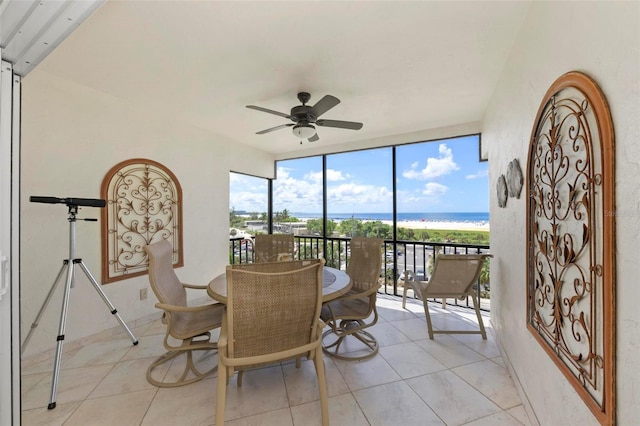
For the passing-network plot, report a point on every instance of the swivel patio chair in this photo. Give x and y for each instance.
(273, 314)
(190, 325)
(454, 276)
(348, 316)
(274, 247)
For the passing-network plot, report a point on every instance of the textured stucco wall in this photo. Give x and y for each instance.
(71, 137)
(602, 40)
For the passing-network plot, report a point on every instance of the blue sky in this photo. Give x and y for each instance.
(439, 176)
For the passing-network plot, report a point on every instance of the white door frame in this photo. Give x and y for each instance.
(9, 245)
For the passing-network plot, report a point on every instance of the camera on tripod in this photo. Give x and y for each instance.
(70, 202)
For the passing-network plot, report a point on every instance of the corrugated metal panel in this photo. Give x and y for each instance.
(30, 30)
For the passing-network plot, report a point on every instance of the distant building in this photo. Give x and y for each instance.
(295, 228)
(255, 225)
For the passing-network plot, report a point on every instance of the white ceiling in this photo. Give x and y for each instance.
(398, 67)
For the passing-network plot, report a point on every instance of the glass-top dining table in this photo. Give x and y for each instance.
(335, 283)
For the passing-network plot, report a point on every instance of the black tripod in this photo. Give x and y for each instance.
(70, 264)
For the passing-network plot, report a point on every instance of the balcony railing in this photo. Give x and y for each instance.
(398, 256)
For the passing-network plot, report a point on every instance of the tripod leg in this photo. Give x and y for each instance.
(60, 338)
(65, 264)
(112, 308)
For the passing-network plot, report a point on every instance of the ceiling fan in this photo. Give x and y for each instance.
(304, 117)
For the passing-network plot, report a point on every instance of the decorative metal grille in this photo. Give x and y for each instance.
(143, 206)
(570, 237)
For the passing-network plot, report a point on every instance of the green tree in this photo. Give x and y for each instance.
(351, 227)
(485, 273)
(377, 229)
(331, 226)
(314, 226)
(235, 221)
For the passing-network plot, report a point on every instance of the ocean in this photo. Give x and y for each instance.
(426, 217)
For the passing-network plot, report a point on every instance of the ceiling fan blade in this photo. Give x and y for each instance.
(339, 124)
(282, 126)
(325, 104)
(270, 111)
(314, 138)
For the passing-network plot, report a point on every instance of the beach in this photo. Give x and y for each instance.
(462, 221)
(448, 225)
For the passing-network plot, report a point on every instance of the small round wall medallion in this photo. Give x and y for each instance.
(515, 179)
(502, 191)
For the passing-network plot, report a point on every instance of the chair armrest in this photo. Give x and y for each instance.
(198, 287)
(175, 308)
(319, 326)
(366, 293)
(223, 338)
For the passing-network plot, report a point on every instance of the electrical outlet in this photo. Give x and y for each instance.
(143, 293)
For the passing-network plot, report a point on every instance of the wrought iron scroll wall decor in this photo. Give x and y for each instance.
(571, 240)
(144, 205)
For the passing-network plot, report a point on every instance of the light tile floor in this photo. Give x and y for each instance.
(452, 380)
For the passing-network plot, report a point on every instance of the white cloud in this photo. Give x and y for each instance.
(436, 167)
(248, 193)
(282, 173)
(480, 174)
(332, 176)
(297, 195)
(249, 201)
(358, 195)
(433, 189)
(305, 195)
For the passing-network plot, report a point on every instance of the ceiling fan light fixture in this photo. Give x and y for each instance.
(304, 131)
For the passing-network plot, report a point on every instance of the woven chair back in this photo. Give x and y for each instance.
(163, 279)
(269, 247)
(272, 307)
(365, 262)
(455, 273)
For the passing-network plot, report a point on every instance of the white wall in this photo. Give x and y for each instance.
(601, 39)
(71, 137)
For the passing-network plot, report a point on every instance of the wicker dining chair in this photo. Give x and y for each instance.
(191, 325)
(272, 314)
(273, 247)
(454, 276)
(349, 315)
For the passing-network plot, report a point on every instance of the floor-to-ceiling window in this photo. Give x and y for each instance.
(360, 192)
(442, 196)
(297, 197)
(248, 214)
(422, 198)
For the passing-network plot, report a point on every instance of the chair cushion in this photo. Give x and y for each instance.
(187, 324)
(354, 308)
